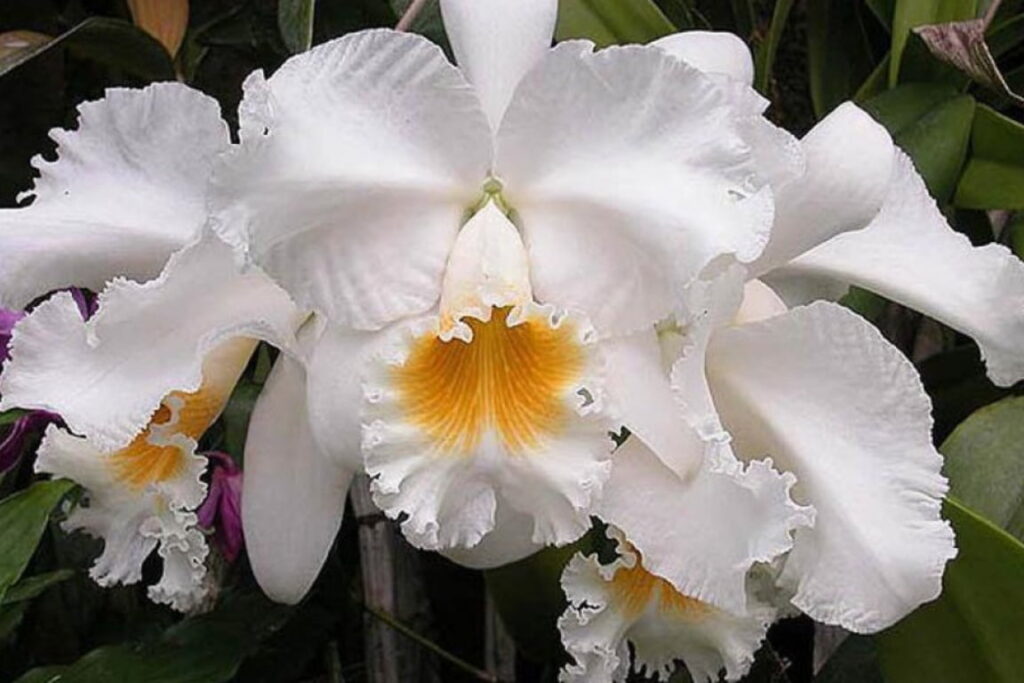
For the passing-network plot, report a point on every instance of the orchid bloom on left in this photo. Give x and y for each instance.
(140, 382)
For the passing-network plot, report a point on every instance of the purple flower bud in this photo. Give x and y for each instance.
(222, 509)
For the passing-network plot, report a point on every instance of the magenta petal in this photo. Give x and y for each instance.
(222, 509)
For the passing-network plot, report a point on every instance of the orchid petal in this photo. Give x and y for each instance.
(910, 254)
(107, 376)
(455, 429)
(629, 172)
(496, 43)
(704, 534)
(510, 540)
(294, 495)
(133, 521)
(126, 191)
(821, 391)
(643, 398)
(713, 52)
(335, 391)
(614, 606)
(357, 163)
(848, 161)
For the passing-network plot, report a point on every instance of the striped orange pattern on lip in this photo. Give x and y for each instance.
(508, 380)
(634, 588)
(149, 459)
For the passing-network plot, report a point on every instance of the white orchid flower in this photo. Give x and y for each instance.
(143, 379)
(818, 390)
(475, 243)
(615, 605)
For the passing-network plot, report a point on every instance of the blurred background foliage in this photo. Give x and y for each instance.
(381, 611)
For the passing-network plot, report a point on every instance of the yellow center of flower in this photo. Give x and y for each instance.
(634, 588)
(152, 457)
(509, 381)
(160, 452)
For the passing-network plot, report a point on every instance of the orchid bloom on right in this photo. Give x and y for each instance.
(815, 388)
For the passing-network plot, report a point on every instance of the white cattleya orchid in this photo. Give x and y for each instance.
(818, 390)
(141, 381)
(478, 243)
(615, 605)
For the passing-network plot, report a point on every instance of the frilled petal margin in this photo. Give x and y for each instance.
(127, 190)
(106, 377)
(620, 210)
(911, 255)
(622, 604)
(294, 494)
(821, 391)
(357, 163)
(705, 534)
(133, 520)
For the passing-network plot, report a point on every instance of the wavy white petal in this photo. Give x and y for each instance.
(910, 254)
(703, 535)
(629, 172)
(357, 163)
(614, 606)
(821, 391)
(713, 52)
(127, 189)
(106, 377)
(848, 160)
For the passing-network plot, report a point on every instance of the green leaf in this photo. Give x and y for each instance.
(23, 519)
(111, 42)
(994, 176)
(839, 56)
(611, 22)
(204, 649)
(295, 20)
(33, 586)
(972, 632)
(770, 46)
(908, 14)
(236, 416)
(931, 123)
(985, 463)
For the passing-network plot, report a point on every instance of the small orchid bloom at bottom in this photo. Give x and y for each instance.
(138, 385)
(221, 512)
(622, 606)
